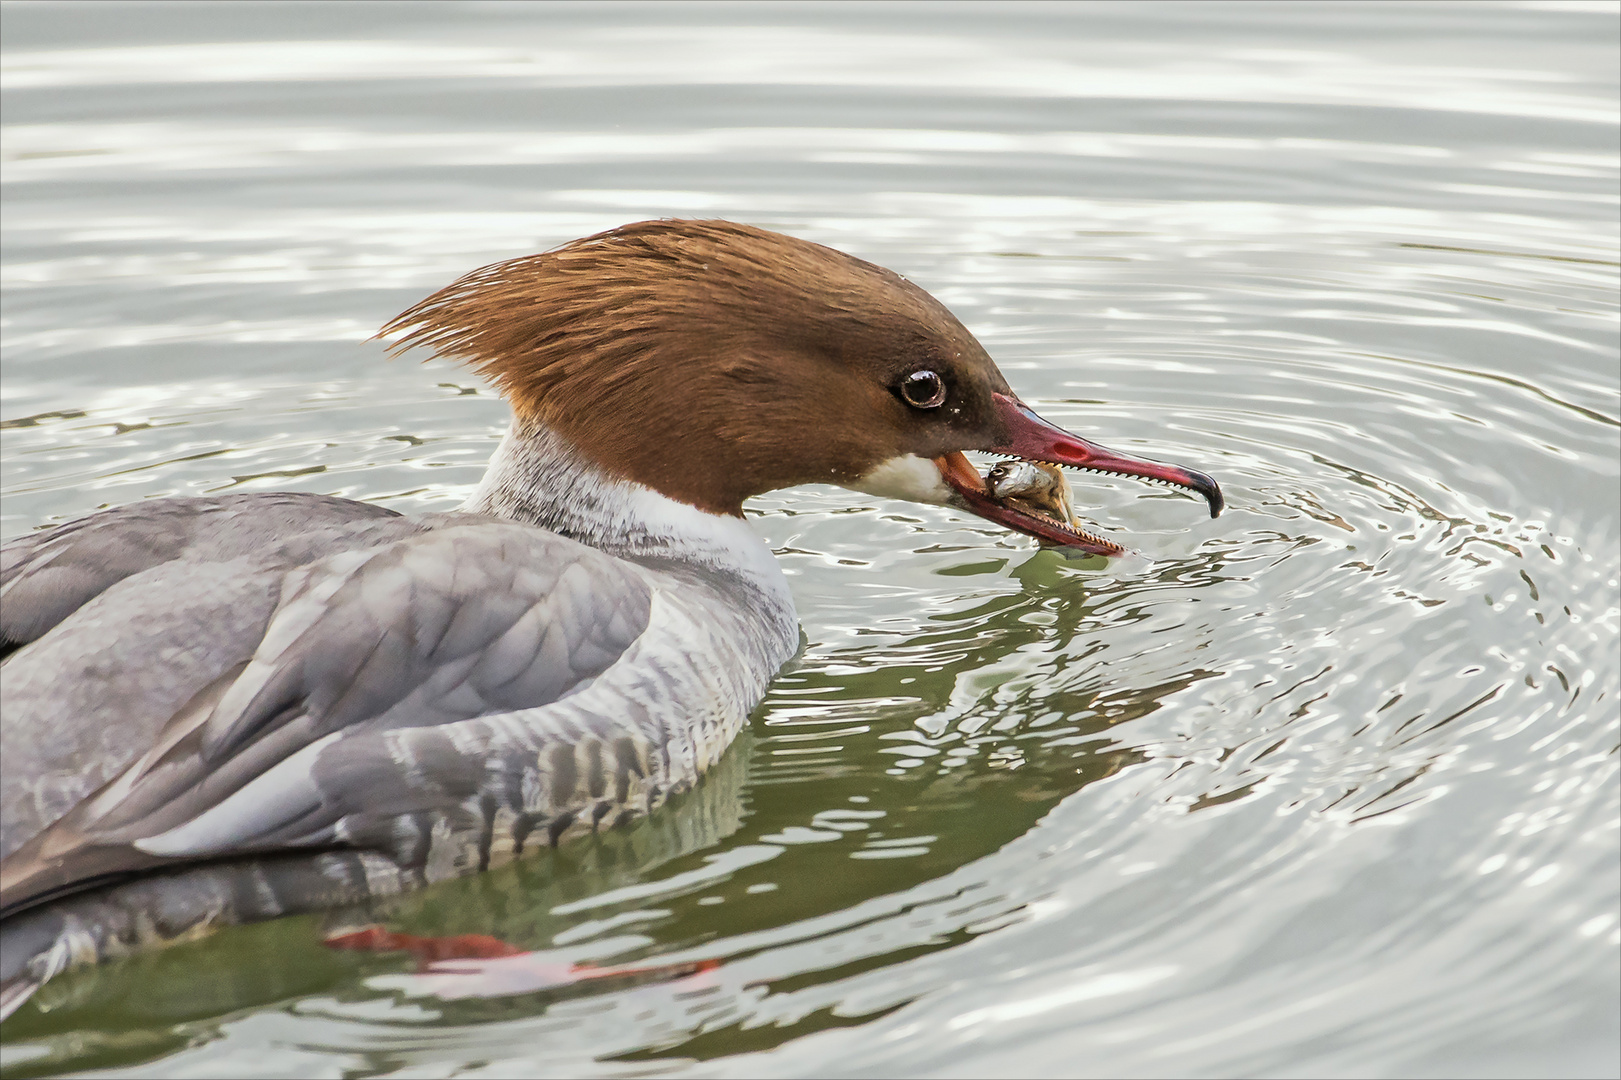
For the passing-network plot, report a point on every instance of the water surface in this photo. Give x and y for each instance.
(1325, 786)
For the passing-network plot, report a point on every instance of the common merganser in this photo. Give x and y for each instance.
(225, 709)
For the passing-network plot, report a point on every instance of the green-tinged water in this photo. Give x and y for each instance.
(1325, 786)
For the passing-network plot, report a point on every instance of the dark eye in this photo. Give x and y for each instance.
(923, 389)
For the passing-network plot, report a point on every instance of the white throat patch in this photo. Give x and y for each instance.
(909, 477)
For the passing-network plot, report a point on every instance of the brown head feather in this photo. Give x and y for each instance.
(713, 361)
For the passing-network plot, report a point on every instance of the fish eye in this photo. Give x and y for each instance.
(923, 389)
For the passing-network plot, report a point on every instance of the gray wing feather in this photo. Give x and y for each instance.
(48, 575)
(127, 615)
(527, 616)
(365, 650)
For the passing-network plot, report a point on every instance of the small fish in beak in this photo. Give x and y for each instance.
(1030, 440)
(1035, 488)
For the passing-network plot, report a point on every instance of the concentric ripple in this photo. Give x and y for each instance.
(1327, 785)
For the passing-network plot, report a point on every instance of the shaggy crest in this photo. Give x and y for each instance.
(765, 336)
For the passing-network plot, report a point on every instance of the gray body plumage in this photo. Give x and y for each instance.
(339, 701)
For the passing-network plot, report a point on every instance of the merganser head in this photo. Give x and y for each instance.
(712, 362)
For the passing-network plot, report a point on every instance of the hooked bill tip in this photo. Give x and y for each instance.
(1207, 486)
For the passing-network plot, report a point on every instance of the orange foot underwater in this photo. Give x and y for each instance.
(478, 965)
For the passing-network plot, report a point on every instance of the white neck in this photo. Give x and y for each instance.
(537, 477)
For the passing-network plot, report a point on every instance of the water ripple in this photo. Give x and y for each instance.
(1326, 785)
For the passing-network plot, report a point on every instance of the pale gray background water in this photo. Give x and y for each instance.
(1327, 786)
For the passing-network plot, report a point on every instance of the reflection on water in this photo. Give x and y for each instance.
(1325, 785)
